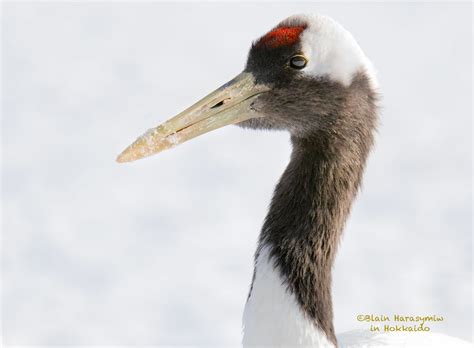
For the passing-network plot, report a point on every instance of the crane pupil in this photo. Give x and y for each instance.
(298, 62)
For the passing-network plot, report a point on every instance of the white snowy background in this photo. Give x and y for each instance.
(160, 251)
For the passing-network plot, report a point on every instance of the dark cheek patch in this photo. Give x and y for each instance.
(282, 36)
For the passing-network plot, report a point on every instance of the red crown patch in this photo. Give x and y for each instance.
(281, 36)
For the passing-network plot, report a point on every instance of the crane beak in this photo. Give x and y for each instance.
(229, 104)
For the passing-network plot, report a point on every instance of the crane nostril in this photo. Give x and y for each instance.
(220, 103)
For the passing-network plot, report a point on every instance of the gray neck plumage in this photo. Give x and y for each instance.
(307, 214)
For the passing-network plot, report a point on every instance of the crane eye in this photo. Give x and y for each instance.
(298, 62)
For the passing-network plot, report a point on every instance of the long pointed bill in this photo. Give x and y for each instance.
(229, 104)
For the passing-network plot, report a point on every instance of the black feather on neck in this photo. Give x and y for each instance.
(312, 201)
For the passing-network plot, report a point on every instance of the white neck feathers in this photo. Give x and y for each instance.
(272, 316)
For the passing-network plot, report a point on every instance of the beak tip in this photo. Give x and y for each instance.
(138, 150)
(127, 155)
(122, 158)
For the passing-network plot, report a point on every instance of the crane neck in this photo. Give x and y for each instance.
(299, 240)
(290, 297)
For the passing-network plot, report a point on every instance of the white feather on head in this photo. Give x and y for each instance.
(331, 50)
